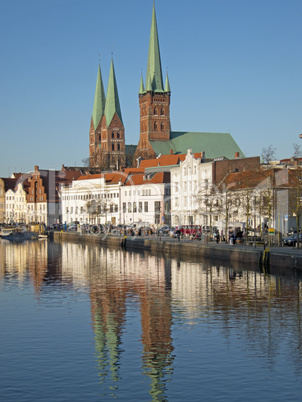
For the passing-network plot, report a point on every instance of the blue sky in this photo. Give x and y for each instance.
(234, 66)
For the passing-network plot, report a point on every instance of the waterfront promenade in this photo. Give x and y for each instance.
(285, 258)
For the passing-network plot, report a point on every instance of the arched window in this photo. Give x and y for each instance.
(155, 110)
(112, 147)
(162, 126)
(118, 147)
(162, 112)
(155, 125)
(117, 135)
(112, 135)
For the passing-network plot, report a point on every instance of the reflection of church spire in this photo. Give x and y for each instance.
(107, 341)
(156, 338)
(108, 309)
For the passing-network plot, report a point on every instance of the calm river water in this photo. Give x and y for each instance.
(84, 323)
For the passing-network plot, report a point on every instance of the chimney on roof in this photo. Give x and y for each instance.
(171, 151)
(202, 155)
(138, 161)
(236, 155)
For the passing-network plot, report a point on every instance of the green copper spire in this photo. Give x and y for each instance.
(141, 86)
(154, 73)
(148, 84)
(167, 84)
(112, 99)
(99, 100)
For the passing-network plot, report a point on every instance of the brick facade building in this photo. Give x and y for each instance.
(107, 133)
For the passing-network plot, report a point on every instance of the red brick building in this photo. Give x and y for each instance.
(107, 133)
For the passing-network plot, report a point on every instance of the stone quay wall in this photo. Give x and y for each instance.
(245, 256)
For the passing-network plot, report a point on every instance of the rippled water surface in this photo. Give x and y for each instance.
(84, 323)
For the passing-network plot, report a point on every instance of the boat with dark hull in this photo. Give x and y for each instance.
(18, 236)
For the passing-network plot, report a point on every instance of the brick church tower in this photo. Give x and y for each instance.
(107, 132)
(154, 100)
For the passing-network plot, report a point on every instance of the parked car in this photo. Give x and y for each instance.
(190, 230)
(164, 230)
(172, 230)
(292, 240)
(72, 228)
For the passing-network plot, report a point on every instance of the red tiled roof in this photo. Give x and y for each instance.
(113, 177)
(158, 178)
(91, 176)
(249, 179)
(166, 160)
(134, 170)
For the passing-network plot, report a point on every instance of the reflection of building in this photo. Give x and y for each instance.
(116, 279)
(25, 260)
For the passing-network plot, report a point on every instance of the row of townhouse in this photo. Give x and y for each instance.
(164, 190)
(235, 194)
(185, 189)
(34, 197)
(117, 198)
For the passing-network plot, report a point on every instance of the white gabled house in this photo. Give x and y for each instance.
(195, 191)
(146, 198)
(92, 199)
(192, 175)
(16, 205)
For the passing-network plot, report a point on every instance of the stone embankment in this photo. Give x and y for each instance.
(247, 256)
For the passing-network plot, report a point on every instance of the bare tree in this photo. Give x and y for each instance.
(296, 199)
(268, 154)
(130, 151)
(89, 206)
(297, 153)
(86, 162)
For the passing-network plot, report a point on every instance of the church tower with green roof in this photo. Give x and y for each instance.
(107, 132)
(154, 100)
(96, 118)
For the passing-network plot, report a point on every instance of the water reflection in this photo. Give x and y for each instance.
(263, 310)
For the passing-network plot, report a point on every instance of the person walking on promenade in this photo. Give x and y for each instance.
(217, 237)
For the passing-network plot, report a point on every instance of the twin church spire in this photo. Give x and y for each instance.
(107, 133)
(106, 105)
